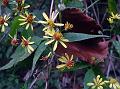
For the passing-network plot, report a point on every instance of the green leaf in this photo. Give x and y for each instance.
(75, 3)
(38, 53)
(77, 66)
(88, 78)
(15, 26)
(117, 46)
(112, 6)
(80, 36)
(20, 54)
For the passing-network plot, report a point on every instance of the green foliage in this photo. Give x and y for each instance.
(20, 54)
(80, 36)
(88, 77)
(112, 6)
(116, 44)
(74, 3)
(77, 66)
(38, 53)
(15, 26)
(9, 81)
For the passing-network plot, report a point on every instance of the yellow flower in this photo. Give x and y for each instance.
(115, 16)
(68, 62)
(20, 6)
(50, 21)
(68, 26)
(55, 36)
(27, 19)
(97, 83)
(27, 44)
(3, 22)
(110, 20)
(113, 83)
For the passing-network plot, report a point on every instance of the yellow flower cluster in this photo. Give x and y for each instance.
(52, 32)
(98, 83)
(67, 62)
(113, 17)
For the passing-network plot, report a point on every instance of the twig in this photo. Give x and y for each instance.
(90, 5)
(95, 12)
(51, 8)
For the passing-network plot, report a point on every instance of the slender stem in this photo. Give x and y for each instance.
(91, 5)
(51, 8)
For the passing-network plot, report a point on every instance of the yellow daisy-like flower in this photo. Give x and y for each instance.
(113, 83)
(110, 20)
(27, 19)
(68, 62)
(97, 83)
(55, 36)
(3, 22)
(68, 26)
(50, 21)
(20, 6)
(115, 16)
(27, 44)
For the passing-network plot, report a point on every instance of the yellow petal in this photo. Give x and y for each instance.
(27, 6)
(62, 59)
(45, 16)
(45, 28)
(49, 42)
(43, 22)
(31, 48)
(55, 46)
(31, 43)
(27, 26)
(23, 16)
(46, 37)
(66, 55)
(3, 28)
(29, 51)
(63, 44)
(23, 23)
(31, 27)
(5, 24)
(59, 24)
(65, 40)
(71, 57)
(21, 19)
(60, 66)
(90, 84)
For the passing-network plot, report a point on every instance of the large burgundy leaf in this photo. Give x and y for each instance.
(88, 49)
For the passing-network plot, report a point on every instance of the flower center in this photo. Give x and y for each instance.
(51, 23)
(25, 43)
(19, 1)
(68, 26)
(14, 42)
(29, 18)
(113, 81)
(20, 8)
(57, 36)
(70, 63)
(2, 20)
(5, 2)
